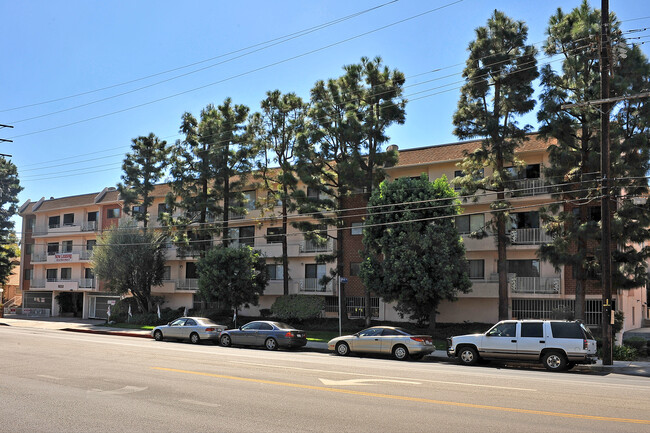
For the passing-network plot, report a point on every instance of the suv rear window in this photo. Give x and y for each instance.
(567, 330)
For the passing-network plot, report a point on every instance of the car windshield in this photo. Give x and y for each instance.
(404, 331)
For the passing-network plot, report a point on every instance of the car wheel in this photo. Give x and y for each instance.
(158, 336)
(468, 355)
(401, 353)
(271, 344)
(194, 338)
(554, 361)
(225, 340)
(342, 349)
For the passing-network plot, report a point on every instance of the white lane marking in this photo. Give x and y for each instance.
(200, 403)
(384, 377)
(121, 391)
(45, 376)
(363, 382)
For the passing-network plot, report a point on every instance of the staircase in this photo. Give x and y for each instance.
(16, 301)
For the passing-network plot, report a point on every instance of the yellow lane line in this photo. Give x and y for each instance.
(414, 399)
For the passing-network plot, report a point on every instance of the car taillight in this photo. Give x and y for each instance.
(421, 339)
(209, 329)
(289, 334)
(585, 344)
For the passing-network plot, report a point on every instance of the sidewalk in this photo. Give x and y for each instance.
(70, 324)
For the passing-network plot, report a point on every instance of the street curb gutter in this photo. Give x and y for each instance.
(94, 331)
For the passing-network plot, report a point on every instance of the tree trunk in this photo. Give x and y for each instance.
(580, 300)
(285, 246)
(432, 320)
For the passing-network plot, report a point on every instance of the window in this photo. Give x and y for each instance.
(312, 192)
(51, 274)
(507, 329)
(315, 271)
(66, 273)
(247, 236)
(593, 213)
(592, 269)
(532, 329)
(274, 235)
(253, 326)
(137, 210)
(354, 269)
(178, 322)
(273, 198)
(276, 272)
(90, 244)
(524, 268)
(470, 223)
(190, 322)
(54, 222)
(461, 173)
(531, 171)
(29, 248)
(476, 269)
(89, 274)
(371, 332)
(162, 208)
(68, 219)
(249, 200)
(524, 220)
(52, 248)
(31, 223)
(167, 274)
(27, 274)
(265, 327)
(92, 216)
(67, 246)
(113, 213)
(190, 270)
(567, 330)
(356, 228)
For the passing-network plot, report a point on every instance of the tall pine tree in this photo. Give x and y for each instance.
(499, 72)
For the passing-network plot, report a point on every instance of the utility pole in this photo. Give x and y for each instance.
(4, 140)
(606, 259)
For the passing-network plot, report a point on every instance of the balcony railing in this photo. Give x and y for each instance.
(535, 236)
(528, 187)
(39, 257)
(87, 283)
(311, 246)
(313, 285)
(37, 284)
(187, 284)
(86, 254)
(534, 285)
(89, 226)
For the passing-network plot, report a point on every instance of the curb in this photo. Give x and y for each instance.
(93, 331)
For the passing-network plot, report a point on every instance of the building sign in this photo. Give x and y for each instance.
(63, 257)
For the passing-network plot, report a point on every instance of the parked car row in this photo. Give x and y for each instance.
(557, 344)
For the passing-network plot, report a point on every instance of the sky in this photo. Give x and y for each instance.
(81, 78)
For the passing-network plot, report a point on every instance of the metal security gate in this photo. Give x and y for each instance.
(37, 303)
(98, 306)
(557, 309)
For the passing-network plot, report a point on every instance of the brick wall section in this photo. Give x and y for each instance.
(27, 258)
(593, 287)
(352, 243)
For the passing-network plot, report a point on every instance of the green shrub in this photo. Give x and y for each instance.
(265, 313)
(298, 307)
(624, 353)
(638, 343)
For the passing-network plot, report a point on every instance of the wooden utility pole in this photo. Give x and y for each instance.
(606, 259)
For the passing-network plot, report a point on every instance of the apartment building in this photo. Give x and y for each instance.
(59, 236)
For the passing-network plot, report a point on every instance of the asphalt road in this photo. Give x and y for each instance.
(53, 381)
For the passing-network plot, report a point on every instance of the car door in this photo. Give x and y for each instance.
(389, 337)
(530, 340)
(246, 334)
(368, 340)
(190, 325)
(264, 331)
(175, 328)
(500, 342)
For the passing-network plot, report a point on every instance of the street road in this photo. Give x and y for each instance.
(56, 381)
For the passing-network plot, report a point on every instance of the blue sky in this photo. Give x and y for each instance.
(55, 50)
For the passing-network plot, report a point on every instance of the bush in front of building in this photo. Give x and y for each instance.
(624, 353)
(638, 343)
(298, 307)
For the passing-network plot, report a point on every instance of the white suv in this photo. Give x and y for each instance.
(557, 344)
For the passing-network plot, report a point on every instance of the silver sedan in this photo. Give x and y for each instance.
(384, 340)
(195, 329)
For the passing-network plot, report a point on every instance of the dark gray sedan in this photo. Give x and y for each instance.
(264, 333)
(195, 329)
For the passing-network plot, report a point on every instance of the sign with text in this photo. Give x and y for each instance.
(63, 257)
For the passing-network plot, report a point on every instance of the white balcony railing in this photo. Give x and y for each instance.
(89, 226)
(87, 283)
(313, 285)
(187, 284)
(311, 246)
(86, 254)
(39, 257)
(536, 236)
(37, 284)
(528, 187)
(534, 285)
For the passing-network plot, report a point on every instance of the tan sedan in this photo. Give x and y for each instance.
(384, 340)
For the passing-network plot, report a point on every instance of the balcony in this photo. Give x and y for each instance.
(527, 188)
(187, 284)
(312, 285)
(56, 284)
(310, 247)
(534, 285)
(53, 229)
(535, 236)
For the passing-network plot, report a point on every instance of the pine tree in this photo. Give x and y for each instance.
(143, 169)
(9, 190)
(280, 123)
(499, 72)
